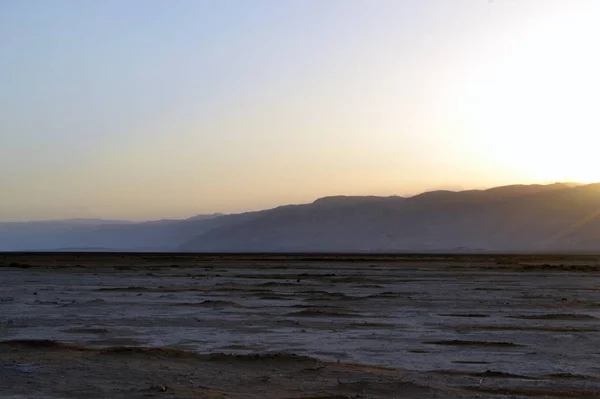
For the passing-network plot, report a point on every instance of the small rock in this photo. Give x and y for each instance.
(160, 388)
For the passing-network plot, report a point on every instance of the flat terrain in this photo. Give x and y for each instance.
(260, 326)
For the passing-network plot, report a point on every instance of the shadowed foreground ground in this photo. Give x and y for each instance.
(58, 370)
(191, 326)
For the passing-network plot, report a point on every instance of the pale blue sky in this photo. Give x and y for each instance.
(149, 109)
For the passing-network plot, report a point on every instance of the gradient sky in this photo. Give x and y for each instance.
(144, 109)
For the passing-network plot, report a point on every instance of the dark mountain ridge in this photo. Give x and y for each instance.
(557, 217)
(561, 217)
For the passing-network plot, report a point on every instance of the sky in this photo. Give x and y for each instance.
(150, 109)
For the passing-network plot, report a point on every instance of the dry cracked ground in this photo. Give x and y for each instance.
(311, 326)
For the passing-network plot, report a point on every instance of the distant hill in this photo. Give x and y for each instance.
(162, 235)
(525, 218)
(557, 217)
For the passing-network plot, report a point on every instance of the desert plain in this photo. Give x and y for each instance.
(100, 325)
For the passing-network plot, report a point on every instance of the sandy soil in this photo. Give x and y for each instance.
(119, 325)
(52, 370)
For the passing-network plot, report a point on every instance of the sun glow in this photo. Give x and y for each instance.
(535, 108)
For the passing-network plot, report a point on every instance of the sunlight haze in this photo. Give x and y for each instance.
(155, 109)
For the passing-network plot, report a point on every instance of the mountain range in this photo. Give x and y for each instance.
(560, 217)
